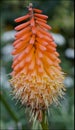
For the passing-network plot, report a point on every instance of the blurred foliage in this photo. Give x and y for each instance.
(61, 18)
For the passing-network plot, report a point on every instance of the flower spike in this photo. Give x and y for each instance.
(37, 77)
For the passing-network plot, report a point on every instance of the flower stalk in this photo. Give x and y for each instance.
(44, 123)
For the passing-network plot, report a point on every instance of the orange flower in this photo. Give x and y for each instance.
(37, 77)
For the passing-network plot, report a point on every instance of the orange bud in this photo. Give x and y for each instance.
(19, 27)
(43, 24)
(41, 20)
(37, 10)
(22, 18)
(32, 40)
(32, 22)
(22, 32)
(41, 16)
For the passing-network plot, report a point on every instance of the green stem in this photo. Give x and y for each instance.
(7, 106)
(44, 123)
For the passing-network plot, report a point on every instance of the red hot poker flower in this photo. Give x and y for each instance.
(37, 77)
